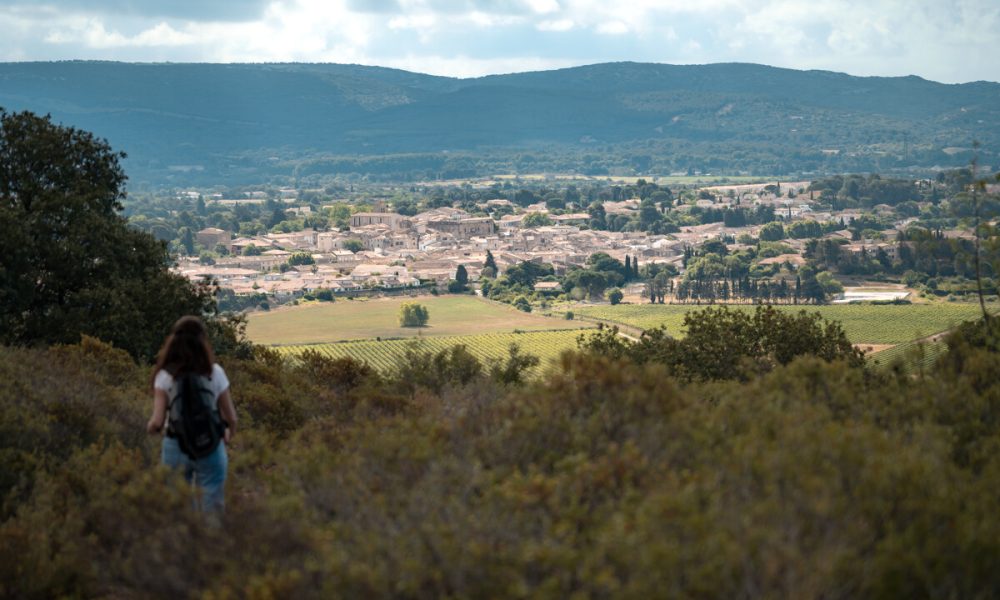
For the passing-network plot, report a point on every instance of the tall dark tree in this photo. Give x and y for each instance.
(187, 240)
(490, 262)
(71, 264)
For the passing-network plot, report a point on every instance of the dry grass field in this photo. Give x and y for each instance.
(368, 319)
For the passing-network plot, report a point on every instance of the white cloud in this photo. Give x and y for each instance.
(949, 40)
(420, 22)
(558, 25)
(544, 7)
(93, 33)
(612, 28)
(462, 66)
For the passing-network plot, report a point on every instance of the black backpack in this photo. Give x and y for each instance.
(193, 420)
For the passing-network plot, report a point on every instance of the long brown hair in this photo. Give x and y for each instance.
(186, 349)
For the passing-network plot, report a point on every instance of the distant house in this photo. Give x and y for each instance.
(571, 219)
(793, 259)
(210, 237)
(548, 287)
(393, 220)
(463, 228)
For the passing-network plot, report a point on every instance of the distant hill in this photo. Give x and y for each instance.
(244, 123)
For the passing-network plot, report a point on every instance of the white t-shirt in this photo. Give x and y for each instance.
(165, 381)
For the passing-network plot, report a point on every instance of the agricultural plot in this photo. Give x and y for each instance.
(385, 355)
(863, 323)
(369, 319)
(913, 356)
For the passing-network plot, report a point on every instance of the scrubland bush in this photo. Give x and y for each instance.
(611, 475)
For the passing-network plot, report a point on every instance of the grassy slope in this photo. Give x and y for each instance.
(352, 320)
(864, 324)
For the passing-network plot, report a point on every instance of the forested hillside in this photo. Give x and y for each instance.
(240, 123)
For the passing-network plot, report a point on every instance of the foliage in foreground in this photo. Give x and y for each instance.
(609, 478)
(731, 344)
(71, 264)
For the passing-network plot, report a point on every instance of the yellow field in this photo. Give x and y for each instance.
(368, 319)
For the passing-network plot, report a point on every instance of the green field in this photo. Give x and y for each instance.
(914, 355)
(385, 355)
(368, 319)
(863, 323)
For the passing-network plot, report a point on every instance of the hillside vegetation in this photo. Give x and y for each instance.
(863, 323)
(241, 123)
(607, 477)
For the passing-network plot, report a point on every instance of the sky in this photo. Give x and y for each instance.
(951, 41)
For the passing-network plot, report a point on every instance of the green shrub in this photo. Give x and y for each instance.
(608, 476)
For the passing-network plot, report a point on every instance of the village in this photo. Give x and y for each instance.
(383, 251)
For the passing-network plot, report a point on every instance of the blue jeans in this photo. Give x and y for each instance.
(208, 473)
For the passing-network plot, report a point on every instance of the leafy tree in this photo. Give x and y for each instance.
(251, 250)
(831, 287)
(462, 275)
(71, 265)
(526, 273)
(721, 343)
(772, 232)
(405, 207)
(804, 229)
(811, 287)
(412, 314)
(536, 219)
(649, 215)
(301, 258)
(512, 371)
(615, 296)
(278, 215)
(598, 216)
(555, 201)
(435, 370)
(592, 282)
(525, 198)
(521, 303)
(612, 268)
(354, 245)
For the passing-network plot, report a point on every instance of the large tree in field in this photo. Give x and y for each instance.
(69, 263)
(412, 314)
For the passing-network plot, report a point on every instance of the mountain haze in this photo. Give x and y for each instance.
(244, 123)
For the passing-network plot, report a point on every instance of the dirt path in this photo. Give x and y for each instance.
(874, 348)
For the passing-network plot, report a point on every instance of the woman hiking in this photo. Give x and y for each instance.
(191, 398)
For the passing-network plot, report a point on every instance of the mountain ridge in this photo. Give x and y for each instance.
(246, 121)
